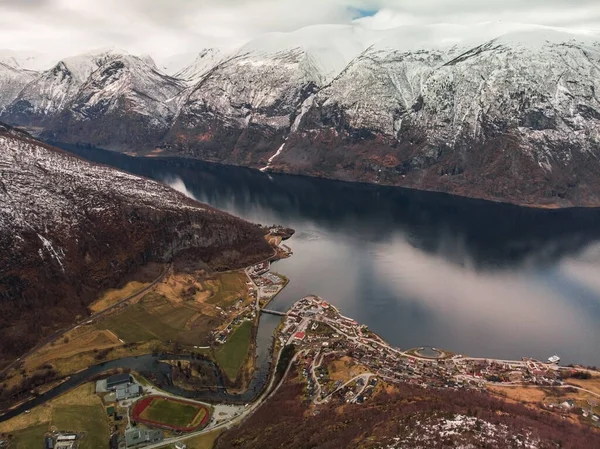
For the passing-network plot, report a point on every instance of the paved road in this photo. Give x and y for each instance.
(52, 338)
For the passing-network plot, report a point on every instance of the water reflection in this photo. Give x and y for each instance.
(420, 268)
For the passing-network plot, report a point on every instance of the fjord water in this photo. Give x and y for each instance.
(420, 269)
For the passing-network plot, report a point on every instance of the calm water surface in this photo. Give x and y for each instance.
(420, 269)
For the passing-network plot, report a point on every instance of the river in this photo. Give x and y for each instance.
(419, 268)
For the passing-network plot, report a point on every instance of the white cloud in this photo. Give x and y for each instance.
(166, 27)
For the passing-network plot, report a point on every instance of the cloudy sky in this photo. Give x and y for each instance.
(166, 27)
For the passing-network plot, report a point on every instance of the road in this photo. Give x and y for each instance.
(57, 335)
(364, 376)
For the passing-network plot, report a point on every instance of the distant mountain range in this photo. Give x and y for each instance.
(512, 118)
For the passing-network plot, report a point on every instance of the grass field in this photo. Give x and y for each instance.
(232, 354)
(157, 318)
(170, 413)
(176, 414)
(206, 441)
(345, 369)
(79, 410)
(80, 340)
(227, 288)
(84, 418)
(31, 437)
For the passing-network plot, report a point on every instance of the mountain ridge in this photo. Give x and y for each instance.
(480, 118)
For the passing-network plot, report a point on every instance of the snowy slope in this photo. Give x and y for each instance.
(12, 81)
(407, 106)
(177, 63)
(329, 47)
(204, 62)
(125, 81)
(125, 104)
(49, 93)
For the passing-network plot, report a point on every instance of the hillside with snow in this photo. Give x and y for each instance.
(70, 229)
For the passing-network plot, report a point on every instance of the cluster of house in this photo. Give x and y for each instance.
(247, 313)
(303, 327)
(260, 268)
(268, 285)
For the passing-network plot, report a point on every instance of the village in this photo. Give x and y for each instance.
(322, 334)
(263, 286)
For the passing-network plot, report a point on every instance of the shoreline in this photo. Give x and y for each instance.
(408, 189)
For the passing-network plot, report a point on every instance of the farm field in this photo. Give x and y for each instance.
(171, 413)
(157, 318)
(29, 438)
(227, 288)
(79, 410)
(231, 355)
(84, 418)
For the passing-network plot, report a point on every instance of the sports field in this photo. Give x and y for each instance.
(171, 413)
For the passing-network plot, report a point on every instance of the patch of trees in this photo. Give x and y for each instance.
(26, 388)
(287, 354)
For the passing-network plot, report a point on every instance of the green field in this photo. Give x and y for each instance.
(84, 418)
(174, 413)
(154, 318)
(230, 289)
(232, 354)
(29, 438)
(89, 419)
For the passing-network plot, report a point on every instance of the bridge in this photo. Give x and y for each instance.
(273, 312)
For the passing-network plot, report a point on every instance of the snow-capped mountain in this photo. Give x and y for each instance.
(513, 109)
(249, 100)
(177, 62)
(12, 82)
(50, 92)
(125, 102)
(70, 229)
(440, 108)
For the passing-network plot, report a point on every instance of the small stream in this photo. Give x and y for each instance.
(155, 366)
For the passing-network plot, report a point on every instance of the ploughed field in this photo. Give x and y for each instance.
(171, 413)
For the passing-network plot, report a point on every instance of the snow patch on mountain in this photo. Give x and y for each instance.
(42, 190)
(206, 60)
(12, 81)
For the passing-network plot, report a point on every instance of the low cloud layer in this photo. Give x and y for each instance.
(166, 27)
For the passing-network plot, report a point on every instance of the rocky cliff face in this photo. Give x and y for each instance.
(514, 118)
(70, 229)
